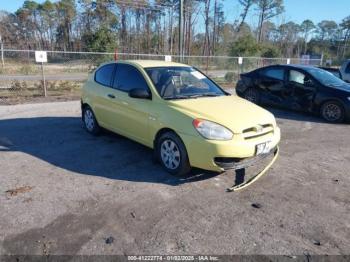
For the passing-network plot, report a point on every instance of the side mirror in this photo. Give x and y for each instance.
(308, 82)
(140, 93)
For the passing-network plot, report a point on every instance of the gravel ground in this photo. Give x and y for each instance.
(63, 191)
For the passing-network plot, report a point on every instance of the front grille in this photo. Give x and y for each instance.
(257, 131)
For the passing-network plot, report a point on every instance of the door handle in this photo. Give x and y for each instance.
(111, 96)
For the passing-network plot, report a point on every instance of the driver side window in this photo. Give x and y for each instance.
(128, 77)
(300, 79)
(296, 77)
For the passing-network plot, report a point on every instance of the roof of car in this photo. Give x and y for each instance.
(154, 63)
(300, 66)
(329, 68)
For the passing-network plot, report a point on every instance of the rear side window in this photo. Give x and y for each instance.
(275, 73)
(104, 75)
(128, 77)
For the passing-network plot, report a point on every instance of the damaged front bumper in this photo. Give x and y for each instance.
(250, 162)
(230, 163)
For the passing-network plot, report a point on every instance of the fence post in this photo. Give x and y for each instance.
(43, 75)
(41, 57)
(115, 54)
(207, 64)
(240, 65)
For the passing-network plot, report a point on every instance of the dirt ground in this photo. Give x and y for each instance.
(63, 191)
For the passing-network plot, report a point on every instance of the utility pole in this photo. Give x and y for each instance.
(171, 29)
(2, 52)
(181, 32)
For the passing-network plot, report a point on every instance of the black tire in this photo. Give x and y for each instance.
(171, 157)
(333, 112)
(252, 94)
(89, 121)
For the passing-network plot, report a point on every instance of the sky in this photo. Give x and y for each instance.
(317, 10)
(296, 10)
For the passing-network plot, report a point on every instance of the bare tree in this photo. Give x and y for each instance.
(246, 4)
(206, 47)
(267, 10)
(345, 26)
(307, 26)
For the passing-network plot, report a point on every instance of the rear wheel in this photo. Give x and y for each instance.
(90, 122)
(333, 111)
(172, 154)
(252, 95)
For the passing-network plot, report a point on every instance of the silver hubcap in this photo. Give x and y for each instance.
(332, 112)
(170, 154)
(89, 120)
(251, 96)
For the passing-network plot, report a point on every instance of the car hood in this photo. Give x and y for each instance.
(233, 112)
(344, 87)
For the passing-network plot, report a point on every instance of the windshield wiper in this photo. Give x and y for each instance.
(191, 96)
(204, 95)
(175, 97)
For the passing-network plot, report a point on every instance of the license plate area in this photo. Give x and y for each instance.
(263, 148)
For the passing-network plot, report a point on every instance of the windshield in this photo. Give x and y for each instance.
(182, 83)
(325, 77)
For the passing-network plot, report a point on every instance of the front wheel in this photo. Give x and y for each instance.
(172, 154)
(333, 112)
(90, 122)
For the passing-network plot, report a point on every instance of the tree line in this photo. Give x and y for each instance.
(151, 26)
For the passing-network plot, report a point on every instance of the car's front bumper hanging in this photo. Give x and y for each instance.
(256, 177)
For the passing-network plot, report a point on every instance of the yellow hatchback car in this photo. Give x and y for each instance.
(183, 115)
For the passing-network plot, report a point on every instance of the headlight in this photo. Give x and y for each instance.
(211, 130)
(349, 98)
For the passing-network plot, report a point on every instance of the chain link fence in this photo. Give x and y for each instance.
(21, 77)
